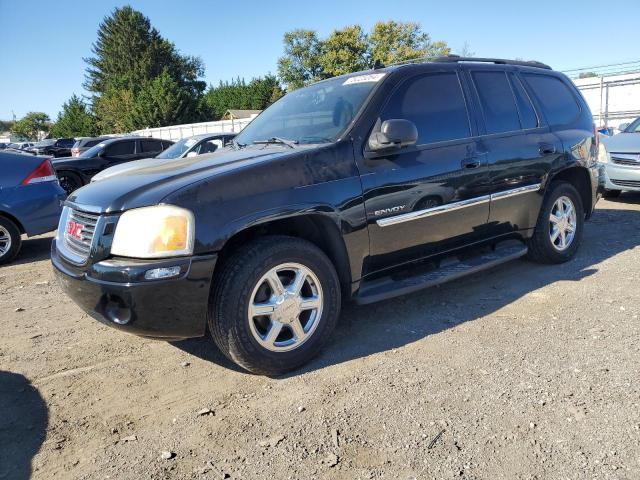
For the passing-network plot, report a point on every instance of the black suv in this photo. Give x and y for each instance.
(363, 187)
(75, 172)
(55, 147)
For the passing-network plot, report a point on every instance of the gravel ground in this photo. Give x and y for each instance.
(526, 371)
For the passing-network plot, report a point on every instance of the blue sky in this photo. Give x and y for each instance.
(42, 43)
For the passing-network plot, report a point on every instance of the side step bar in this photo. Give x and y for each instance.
(387, 287)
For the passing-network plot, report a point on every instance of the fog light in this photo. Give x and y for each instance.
(164, 272)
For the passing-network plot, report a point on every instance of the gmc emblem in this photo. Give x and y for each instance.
(74, 229)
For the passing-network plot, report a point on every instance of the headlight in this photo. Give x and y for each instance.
(603, 156)
(154, 232)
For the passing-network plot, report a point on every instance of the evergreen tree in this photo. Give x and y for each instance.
(129, 54)
(75, 120)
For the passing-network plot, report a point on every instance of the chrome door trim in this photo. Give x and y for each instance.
(450, 207)
(516, 191)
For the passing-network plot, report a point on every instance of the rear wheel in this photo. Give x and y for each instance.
(611, 193)
(69, 181)
(10, 240)
(274, 304)
(558, 232)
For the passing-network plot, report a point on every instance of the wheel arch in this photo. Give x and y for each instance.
(319, 229)
(578, 177)
(7, 215)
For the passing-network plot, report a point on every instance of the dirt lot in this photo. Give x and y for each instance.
(527, 371)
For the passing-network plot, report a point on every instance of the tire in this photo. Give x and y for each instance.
(542, 248)
(70, 182)
(611, 193)
(10, 240)
(240, 336)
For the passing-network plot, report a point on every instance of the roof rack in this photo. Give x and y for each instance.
(458, 58)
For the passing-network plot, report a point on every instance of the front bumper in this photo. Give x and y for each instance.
(627, 176)
(115, 293)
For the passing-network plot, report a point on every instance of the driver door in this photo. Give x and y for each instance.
(433, 196)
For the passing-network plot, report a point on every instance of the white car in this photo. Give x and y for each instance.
(187, 147)
(619, 156)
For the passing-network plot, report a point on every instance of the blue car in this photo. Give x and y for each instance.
(30, 198)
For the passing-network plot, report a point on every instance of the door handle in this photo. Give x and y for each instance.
(546, 149)
(471, 163)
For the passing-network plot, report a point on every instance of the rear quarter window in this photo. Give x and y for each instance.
(556, 98)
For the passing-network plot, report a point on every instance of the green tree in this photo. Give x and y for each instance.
(300, 63)
(128, 55)
(75, 120)
(307, 58)
(33, 126)
(344, 51)
(258, 94)
(394, 42)
(161, 102)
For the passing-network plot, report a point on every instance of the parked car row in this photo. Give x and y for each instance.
(619, 156)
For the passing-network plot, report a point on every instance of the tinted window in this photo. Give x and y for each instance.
(497, 100)
(558, 102)
(435, 104)
(121, 148)
(528, 116)
(91, 143)
(151, 145)
(166, 144)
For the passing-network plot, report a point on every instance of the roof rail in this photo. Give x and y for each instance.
(458, 58)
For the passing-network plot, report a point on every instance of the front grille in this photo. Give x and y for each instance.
(82, 225)
(626, 183)
(627, 159)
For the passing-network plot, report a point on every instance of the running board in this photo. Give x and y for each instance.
(387, 287)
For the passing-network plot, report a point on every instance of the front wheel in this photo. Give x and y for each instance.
(274, 304)
(558, 232)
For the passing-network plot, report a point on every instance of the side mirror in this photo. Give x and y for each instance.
(393, 134)
(192, 154)
(623, 126)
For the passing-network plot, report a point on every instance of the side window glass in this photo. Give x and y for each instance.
(528, 116)
(557, 100)
(497, 100)
(150, 146)
(435, 104)
(120, 148)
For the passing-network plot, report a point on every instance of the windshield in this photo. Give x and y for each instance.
(315, 114)
(178, 148)
(634, 127)
(45, 143)
(92, 152)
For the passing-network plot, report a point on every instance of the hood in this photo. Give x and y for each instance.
(150, 181)
(623, 143)
(125, 167)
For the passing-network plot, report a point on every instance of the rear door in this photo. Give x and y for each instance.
(521, 148)
(149, 148)
(119, 152)
(432, 197)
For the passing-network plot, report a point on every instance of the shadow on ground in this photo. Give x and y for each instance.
(365, 330)
(23, 425)
(34, 250)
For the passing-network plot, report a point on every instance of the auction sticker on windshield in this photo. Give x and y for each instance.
(372, 77)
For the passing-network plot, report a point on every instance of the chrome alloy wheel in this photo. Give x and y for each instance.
(5, 241)
(285, 307)
(562, 223)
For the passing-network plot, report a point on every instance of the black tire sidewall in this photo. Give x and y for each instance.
(561, 190)
(242, 347)
(72, 177)
(16, 240)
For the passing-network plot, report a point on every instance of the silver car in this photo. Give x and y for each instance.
(619, 157)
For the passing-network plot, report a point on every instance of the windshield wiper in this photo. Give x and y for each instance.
(237, 145)
(277, 140)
